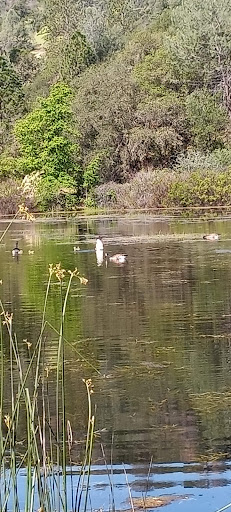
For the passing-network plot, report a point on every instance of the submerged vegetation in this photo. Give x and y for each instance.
(115, 103)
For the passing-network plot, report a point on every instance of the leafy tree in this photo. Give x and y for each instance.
(8, 166)
(68, 49)
(105, 23)
(68, 57)
(91, 175)
(200, 45)
(105, 106)
(11, 99)
(108, 107)
(162, 131)
(62, 17)
(44, 139)
(16, 32)
(207, 120)
(129, 108)
(53, 192)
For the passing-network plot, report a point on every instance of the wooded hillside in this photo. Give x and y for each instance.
(115, 102)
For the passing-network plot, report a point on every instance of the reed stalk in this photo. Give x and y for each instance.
(2, 473)
(21, 211)
(8, 226)
(85, 470)
(109, 475)
(45, 453)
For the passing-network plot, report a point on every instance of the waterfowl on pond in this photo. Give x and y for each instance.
(99, 257)
(16, 251)
(117, 258)
(211, 236)
(76, 249)
(99, 244)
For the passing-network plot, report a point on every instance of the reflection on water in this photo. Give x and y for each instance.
(154, 335)
(188, 486)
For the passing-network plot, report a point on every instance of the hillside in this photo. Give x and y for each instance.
(148, 105)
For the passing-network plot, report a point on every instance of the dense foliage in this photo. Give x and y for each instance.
(95, 94)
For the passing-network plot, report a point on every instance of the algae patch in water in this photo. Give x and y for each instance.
(211, 402)
(150, 502)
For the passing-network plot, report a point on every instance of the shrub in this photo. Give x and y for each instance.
(165, 188)
(207, 119)
(218, 160)
(48, 192)
(8, 166)
(91, 176)
(57, 193)
(201, 189)
(148, 189)
(106, 194)
(11, 194)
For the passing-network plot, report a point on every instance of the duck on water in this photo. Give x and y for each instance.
(211, 236)
(16, 251)
(116, 258)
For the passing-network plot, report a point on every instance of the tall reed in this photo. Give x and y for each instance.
(45, 454)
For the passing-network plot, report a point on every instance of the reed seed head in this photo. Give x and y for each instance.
(57, 271)
(47, 370)
(83, 280)
(7, 421)
(29, 345)
(89, 385)
(24, 211)
(8, 317)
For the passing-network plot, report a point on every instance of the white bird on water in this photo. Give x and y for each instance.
(99, 251)
(99, 244)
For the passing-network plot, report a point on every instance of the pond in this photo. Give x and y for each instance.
(154, 335)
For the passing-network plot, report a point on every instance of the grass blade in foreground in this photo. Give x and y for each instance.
(44, 453)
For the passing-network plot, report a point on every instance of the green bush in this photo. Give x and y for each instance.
(165, 188)
(8, 166)
(201, 189)
(56, 193)
(91, 175)
(207, 120)
(89, 202)
(44, 137)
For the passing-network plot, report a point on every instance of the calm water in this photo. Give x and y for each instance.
(155, 337)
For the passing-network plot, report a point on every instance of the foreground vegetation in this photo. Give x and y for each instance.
(45, 449)
(102, 103)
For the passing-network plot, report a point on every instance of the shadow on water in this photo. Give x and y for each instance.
(155, 337)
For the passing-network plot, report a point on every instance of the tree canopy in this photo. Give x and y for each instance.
(114, 88)
(44, 138)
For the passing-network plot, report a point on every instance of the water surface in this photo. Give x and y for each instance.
(155, 337)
